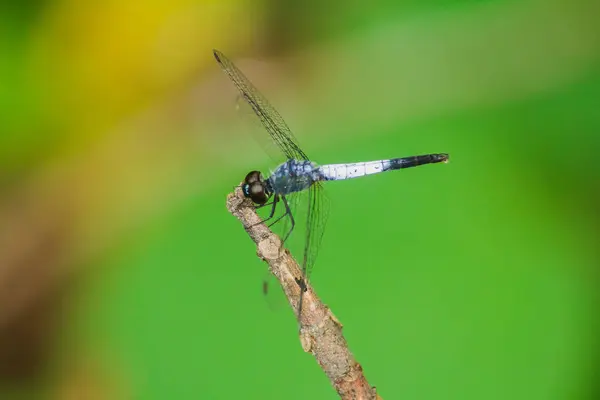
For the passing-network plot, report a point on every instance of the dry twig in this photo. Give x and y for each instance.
(320, 331)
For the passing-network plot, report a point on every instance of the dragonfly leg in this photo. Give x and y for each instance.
(277, 220)
(289, 213)
(274, 203)
(267, 204)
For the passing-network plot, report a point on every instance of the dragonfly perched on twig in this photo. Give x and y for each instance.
(299, 174)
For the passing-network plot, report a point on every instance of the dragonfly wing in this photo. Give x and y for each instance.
(250, 123)
(316, 219)
(294, 242)
(270, 118)
(310, 209)
(317, 213)
(272, 295)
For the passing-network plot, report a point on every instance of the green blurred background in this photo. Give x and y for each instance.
(122, 276)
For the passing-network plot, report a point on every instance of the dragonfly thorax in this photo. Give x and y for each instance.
(293, 176)
(256, 188)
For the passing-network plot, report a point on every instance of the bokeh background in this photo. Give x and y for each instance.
(122, 276)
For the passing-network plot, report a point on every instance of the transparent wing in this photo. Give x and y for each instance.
(311, 216)
(317, 213)
(295, 243)
(310, 209)
(270, 118)
(255, 128)
(272, 295)
(316, 219)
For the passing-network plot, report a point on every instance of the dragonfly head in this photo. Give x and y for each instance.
(255, 188)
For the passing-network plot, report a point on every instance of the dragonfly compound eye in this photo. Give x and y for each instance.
(253, 176)
(256, 192)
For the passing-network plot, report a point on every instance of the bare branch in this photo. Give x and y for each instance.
(320, 331)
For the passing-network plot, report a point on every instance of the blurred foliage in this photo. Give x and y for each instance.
(123, 276)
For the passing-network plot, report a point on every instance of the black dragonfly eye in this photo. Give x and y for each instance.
(254, 188)
(253, 176)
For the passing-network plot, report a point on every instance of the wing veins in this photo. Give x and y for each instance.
(270, 118)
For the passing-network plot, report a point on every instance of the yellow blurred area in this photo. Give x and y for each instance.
(99, 73)
(113, 79)
(95, 62)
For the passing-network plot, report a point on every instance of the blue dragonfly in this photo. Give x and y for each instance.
(298, 174)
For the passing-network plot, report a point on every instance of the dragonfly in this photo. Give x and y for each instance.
(298, 174)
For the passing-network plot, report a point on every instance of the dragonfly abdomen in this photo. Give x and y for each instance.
(332, 172)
